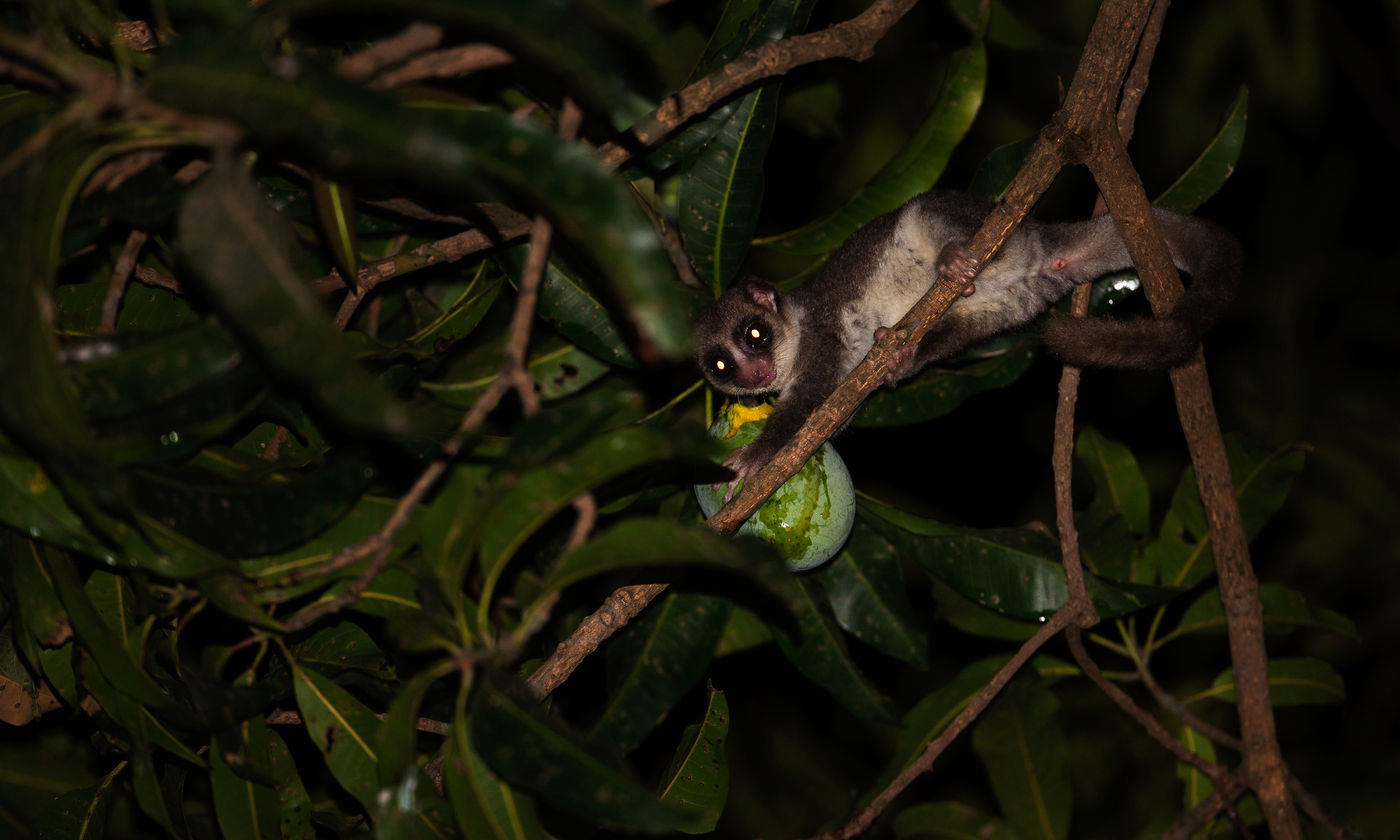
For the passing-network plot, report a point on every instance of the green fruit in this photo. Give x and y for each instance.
(809, 518)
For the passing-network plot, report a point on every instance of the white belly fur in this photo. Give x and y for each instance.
(906, 270)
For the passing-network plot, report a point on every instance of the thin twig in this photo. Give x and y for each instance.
(116, 285)
(446, 63)
(410, 41)
(854, 39)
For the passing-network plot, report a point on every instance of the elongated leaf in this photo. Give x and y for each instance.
(699, 775)
(744, 25)
(654, 661)
(1119, 483)
(241, 249)
(949, 820)
(40, 410)
(335, 210)
(1293, 681)
(820, 653)
(463, 312)
(1027, 758)
(976, 620)
(663, 542)
(1196, 787)
(1263, 478)
(938, 391)
(294, 806)
(1284, 609)
(113, 378)
(79, 814)
(343, 729)
(542, 492)
(364, 133)
(124, 672)
(575, 311)
(911, 172)
(722, 185)
(486, 808)
(867, 595)
(40, 611)
(244, 807)
(364, 519)
(931, 716)
(343, 646)
(140, 724)
(556, 367)
(1008, 570)
(244, 518)
(533, 751)
(397, 745)
(1216, 163)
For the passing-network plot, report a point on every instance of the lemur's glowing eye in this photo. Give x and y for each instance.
(720, 368)
(755, 335)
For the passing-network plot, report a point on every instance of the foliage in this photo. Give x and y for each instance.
(201, 633)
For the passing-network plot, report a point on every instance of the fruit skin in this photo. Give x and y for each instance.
(809, 518)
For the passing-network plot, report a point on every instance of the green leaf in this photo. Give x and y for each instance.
(1196, 787)
(335, 210)
(540, 493)
(914, 169)
(40, 410)
(568, 303)
(462, 311)
(744, 25)
(241, 249)
(344, 731)
(363, 520)
(372, 135)
(557, 368)
(1293, 681)
(78, 814)
(486, 807)
(930, 716)
(974, 619)
(450, 526)
(665, 542)
(139, 723)
(532, 750)
(397, 746)
(699, 775)
(244, 807)
(116, 663)
(245, 517)
(341, 647)
(938, 391)
(951, 820)
(35, 600)
(1119, 483)
(1027, 759)
(868, 597)
(654, 661)
(294, 805)
(820, 653)
(1284, 609)
(1008, 570)
(721, 188)
(1263, 478)
(1215, 164)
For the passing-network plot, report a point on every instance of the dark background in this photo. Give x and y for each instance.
(1306, 354)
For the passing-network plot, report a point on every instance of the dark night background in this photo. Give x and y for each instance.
(1306, 354)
